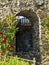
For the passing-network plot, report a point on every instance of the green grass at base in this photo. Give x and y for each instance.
(14, 61)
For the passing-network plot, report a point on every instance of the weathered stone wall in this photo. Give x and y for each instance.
(15, 6)
(44, 38)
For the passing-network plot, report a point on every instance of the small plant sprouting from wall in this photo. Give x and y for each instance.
(7, 34)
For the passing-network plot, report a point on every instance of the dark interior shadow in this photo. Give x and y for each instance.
(24, 40)
(27, 43)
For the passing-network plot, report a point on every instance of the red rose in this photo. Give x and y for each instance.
(0, 33)
(12, 46)
(3, 40)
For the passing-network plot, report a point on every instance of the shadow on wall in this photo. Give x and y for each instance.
(23, 36)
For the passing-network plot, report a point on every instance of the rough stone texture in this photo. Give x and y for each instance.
(15, 6)
(44, 46)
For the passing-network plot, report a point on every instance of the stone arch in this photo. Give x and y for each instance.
(32, 16)
(28, 14)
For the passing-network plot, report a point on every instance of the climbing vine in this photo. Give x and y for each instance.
(7, 34)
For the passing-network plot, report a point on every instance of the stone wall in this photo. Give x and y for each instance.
(15, 6)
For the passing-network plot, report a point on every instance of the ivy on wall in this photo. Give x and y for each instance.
(45, 24)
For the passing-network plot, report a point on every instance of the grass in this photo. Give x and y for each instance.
(13, 61)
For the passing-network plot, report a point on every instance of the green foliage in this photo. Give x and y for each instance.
(7, 34)
(46, 24)
(46, 27)
(14, 61)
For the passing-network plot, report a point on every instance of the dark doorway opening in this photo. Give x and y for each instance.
(33, 27)
(24, 35)
(24, 39)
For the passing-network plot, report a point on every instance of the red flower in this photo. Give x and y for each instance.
(0, 33)
(3, 40)
(12, 46)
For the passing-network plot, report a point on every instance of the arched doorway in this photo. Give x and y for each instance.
(24, 35)
(34, 50)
